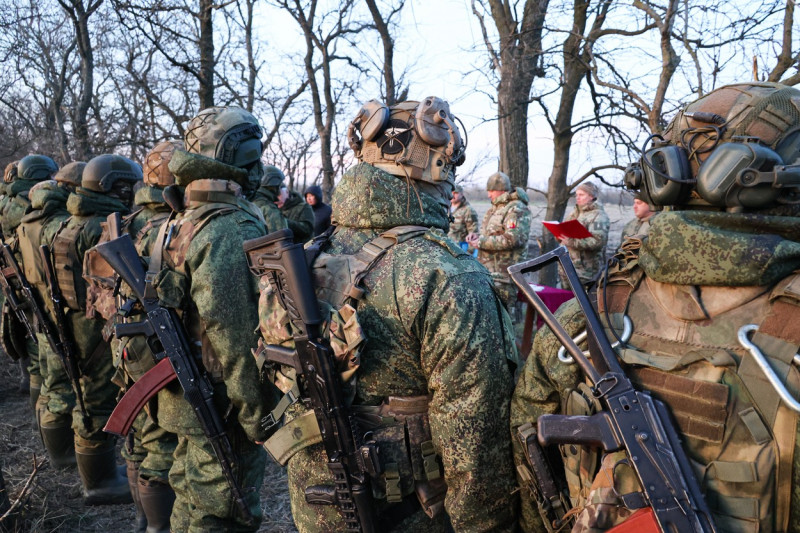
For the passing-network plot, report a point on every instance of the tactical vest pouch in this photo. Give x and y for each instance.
(69, 266)
(580, 462)
(171, 287)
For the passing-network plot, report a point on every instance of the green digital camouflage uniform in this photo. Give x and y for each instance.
(505, 231)
(588, 254)
(88, 209)
(265, 198)
(465, 221)
(205, 277)
(149, 445)
(433, 326)
(299, 217)
(688, 288)
(49, 210)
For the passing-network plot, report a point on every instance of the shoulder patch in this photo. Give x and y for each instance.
(438, 236)
(511, 224)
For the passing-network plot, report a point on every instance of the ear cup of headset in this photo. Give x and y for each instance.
(430, 121)
(728, 178)
(666, 175)
(372, 119)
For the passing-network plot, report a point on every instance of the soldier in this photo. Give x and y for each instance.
(322, 211)
(31, 169)
(49, 209)
(429, 331)
(504, 235)
(465, 219)
(266, 196)
(710, 292)
(148, 452)
(9, 175)
(640, 223)
(107, 186)
(299, 215)
(588, 254)
(202, 273)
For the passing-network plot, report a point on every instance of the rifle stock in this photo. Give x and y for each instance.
(640, 424)
(351, 460)
(9, 270)
(164, 324)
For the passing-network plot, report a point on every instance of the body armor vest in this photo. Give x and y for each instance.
(69, 264)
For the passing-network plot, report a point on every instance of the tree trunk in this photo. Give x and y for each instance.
(205, 90)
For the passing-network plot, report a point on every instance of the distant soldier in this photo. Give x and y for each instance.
(640, 223)
(148, 452)
(322, 211)
(506, 229)
(266, 197)
(588, 254)
(107, 186)
(465, 219)
(299, 215)
(48, 211)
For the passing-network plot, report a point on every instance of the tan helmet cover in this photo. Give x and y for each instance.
(418, 140)
(156, 164)
(499, 181)
(10, 173)
(71, 173)
(231, 135)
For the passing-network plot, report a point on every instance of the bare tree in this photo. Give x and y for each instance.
(393, 92)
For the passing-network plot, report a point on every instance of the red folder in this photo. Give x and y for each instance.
(570, 229)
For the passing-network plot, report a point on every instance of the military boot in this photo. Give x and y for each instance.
(157, 499)
(24, 376)
(140, 522)
(58, 439)
(102, 482)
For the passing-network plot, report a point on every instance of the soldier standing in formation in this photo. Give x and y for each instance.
(464, 218)
(427, 327)
(505, 231)
(710, 291)
(266, 197)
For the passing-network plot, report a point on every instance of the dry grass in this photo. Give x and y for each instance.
(52, 502)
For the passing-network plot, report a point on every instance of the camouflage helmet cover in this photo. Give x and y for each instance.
(10, 173)
(230, 135)
(71, 173)
(499, 181)
(417, 140)
(273, 176)
(156, 164)
(104, 171)
(36, 167)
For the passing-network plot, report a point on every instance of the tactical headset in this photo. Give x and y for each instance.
(741, 173)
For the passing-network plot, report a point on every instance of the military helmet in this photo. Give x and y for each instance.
(71, 173)
(499, 181)
(10, 173)
(156, 164)
(416, 140)
(735, 148)
(230, 135)
(111, 174)
(36, 167)
(273, 176)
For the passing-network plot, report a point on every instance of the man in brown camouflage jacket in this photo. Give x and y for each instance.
(505, 231)
(465, 219)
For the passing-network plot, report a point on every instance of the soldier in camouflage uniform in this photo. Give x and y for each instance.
(640, 223)
(31, 170)
(465, 219)
(711, 288)
(201, 272)
(432, 338)
(505, 231)
(49, 210)
(107, 185)
(588, 254)
(9, 175)
(299, 216)
(149, 449)
(266, 196)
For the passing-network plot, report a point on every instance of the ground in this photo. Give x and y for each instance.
(52, 501)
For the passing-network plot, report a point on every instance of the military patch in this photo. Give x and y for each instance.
(511, 224)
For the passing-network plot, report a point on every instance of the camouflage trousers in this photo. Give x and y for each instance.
(99, 395)
(152, 447)
(203, 500)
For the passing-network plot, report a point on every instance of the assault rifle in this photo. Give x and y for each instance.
(61, 340)
(631, 420)
(351, 460)
(10, 271)
(175, 360)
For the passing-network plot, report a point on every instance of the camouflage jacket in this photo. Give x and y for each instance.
(434, 327)
(505, 231)
(204, 276)
(588, 254)
(265, 200)
(299, 217)
(465, 220)
(716, 273)
(636, 226)
(17, 205)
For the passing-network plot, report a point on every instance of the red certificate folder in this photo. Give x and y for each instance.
(570, 229)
